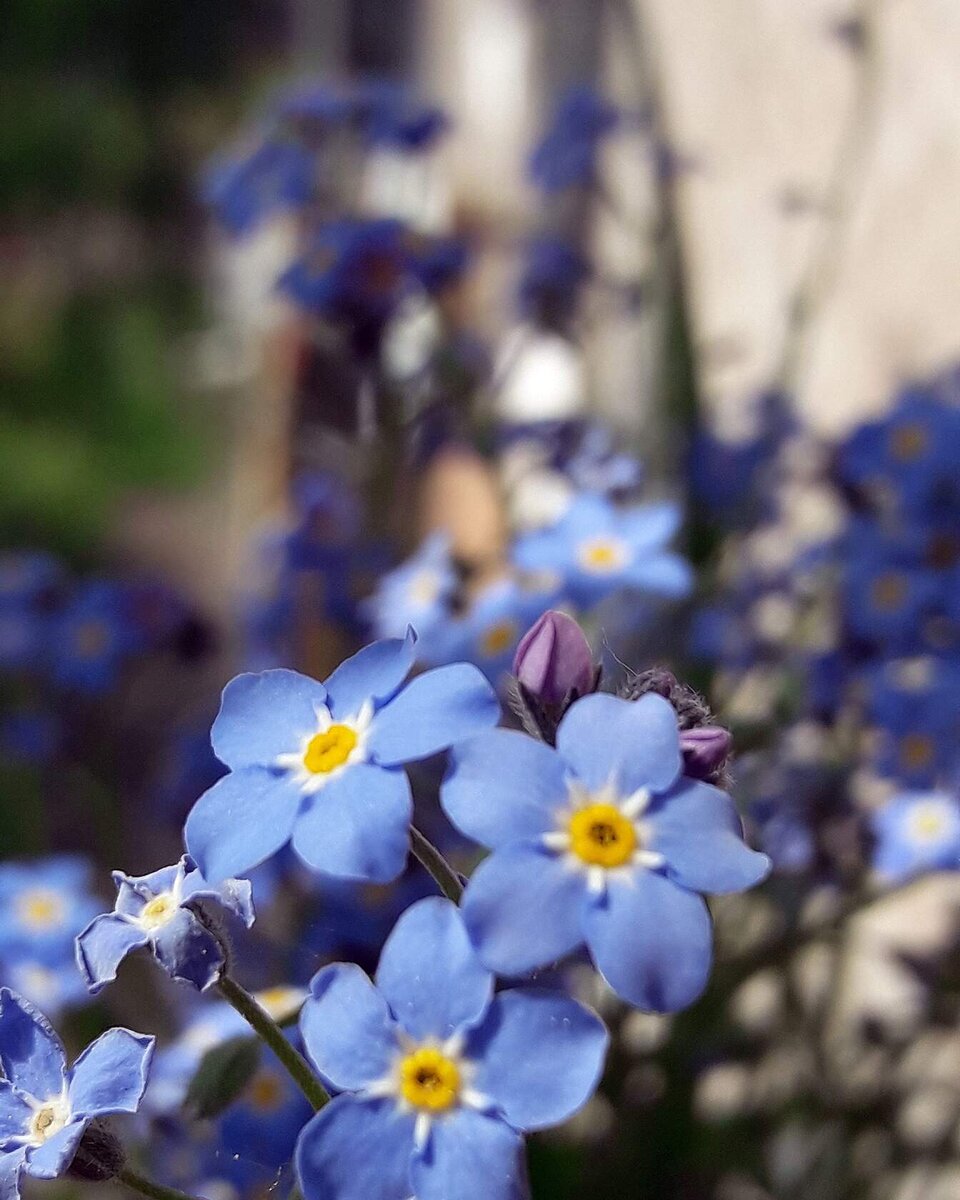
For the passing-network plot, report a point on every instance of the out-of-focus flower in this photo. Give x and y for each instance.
(437, 1080)
(916, 710)
(567, 154)
(91, 637)
(916, 832)
(554, 661)
(597, 548)
(321, 765)
(416, 593)
(173, 911)
(393, 117)
(43, 906)
(46, 1108)
(276, 176)
(600, 842)
(554, 273)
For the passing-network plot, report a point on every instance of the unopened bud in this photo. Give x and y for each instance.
(554, 661)
(705, 751)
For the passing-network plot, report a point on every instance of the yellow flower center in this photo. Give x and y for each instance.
(916, 751)
(928, 822)
(265, 1092)
(429, 1080)
(498, 638)
(157, 910)
(888, 592)
(602, 555)
(46, 1122)
(41, 909)
(601, 836)
(327, 751)
(908, 442)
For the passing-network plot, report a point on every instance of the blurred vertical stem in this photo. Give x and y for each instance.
(433, 862)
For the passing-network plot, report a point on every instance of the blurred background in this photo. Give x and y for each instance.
(323, 316)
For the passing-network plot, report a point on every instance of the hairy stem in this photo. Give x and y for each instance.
(433, 862)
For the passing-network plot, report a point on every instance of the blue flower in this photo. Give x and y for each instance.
(47, 980)
(416, 593)
(916, 832)
(91, 638)
(915, 706)
(263, 1122)
(438, 1078)
(597, 548)
(27, 576)
(553, 274)
(567, 153)
(602, 841)
(393, 118)
(321, 765)
(44, 1108)
(43, 906)
(169, 911)
(276, 176)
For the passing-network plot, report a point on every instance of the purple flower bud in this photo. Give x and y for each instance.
(705, 751)
(554, 660)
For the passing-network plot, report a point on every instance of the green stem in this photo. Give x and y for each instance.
(432, 861)
(146, 1187)
(267, 1029)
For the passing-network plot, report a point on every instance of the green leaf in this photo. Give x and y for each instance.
(222, 1075)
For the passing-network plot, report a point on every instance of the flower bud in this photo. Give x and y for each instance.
(705, 751)
(554, 661)
(99, 1156)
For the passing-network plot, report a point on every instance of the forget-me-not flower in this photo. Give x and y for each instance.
(916, 832)
(172, 912)
(43, 906)
(417, 593)
(321, 764)
(597, 547)
(602, 841)
(44, 1107)
(439, 1078)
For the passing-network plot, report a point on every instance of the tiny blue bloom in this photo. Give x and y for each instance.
(44, 1107)
(597, 547)
(416, 593)
(321, 765)
(567, 154)
(43, 906)
(169, 911)
(602, 841)
(91, 637)
(276, 176)
(438, 1077)
(916, 832)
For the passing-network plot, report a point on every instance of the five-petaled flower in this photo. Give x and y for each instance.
(321, 765)
(439, 1078)
(45, 1108)
(603, 841)
(173, 912)
(916, 832)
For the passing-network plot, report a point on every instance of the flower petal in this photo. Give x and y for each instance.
(56, 1154)
(347, 1028)
(11, 1165)
(31, 1054)
(503, 786)
(111, 1074)
(432, 712)
(540, 1056)
(373, 673)
(103, 945)
(429, 973)
(357, 827)
(636, 743)
(470, 1156)
(666, 574)
(15, 1113)
(356, 1150)
(242, 820)
(523, 908)
(233, 894)
(698, 831)
(652, 941)
(265, 714)
(649, 525)
(188, 950)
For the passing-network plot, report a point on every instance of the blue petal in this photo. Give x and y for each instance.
(56, 1154)
(31, 1054)
(373, 673)
(188, 950)
(523, 908)
(666, 574)
(146, 887)
(429, 973)
(347, 1028)
(15, 1113)
(103, 945)
(652, 941)
(636, 743)
(263, 715)
(356, 1150)
(432, 712)
(233, 894)
(503, 786)
(649, 525)
(11, 1165)
(697, 830)
(111, 1074)
(242, 820)
(357, 826)
(470, 1156)
(540, 1056)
